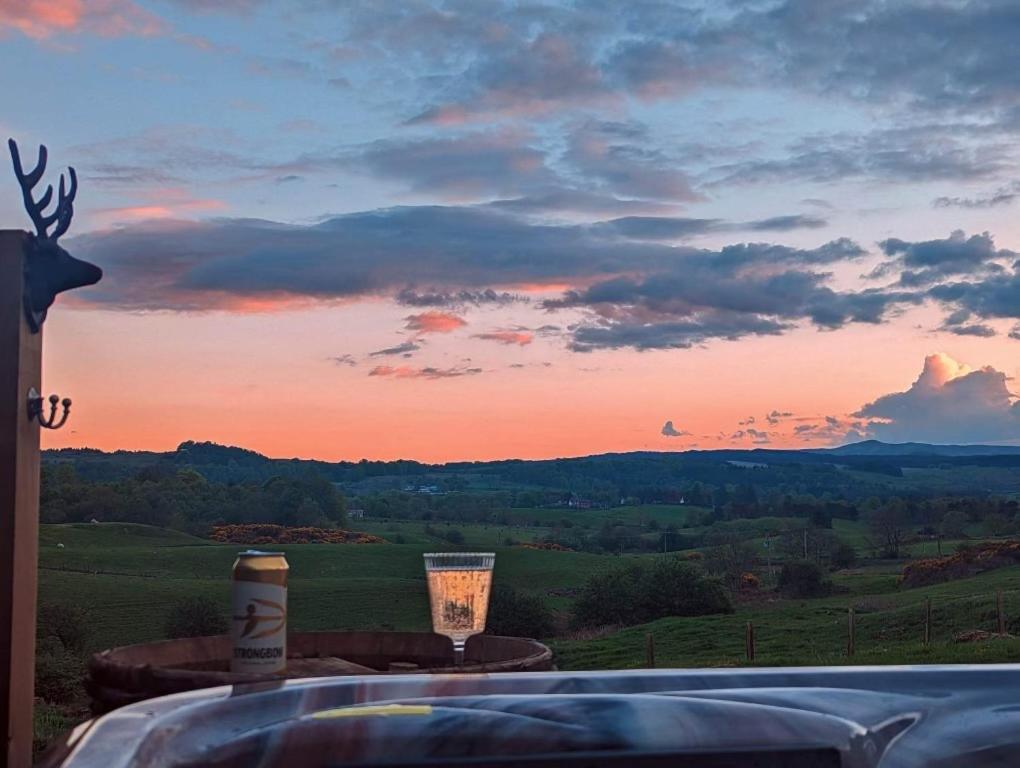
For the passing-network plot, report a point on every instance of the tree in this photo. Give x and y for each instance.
(889, 522)
(843, 555)
(802, 578)
(641, 592)
(516, 614)
(953, 523)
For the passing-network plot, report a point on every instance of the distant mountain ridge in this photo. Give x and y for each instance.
(878, 448)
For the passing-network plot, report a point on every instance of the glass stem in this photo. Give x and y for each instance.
(458, 653)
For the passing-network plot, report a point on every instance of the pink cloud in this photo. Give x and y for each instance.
(407, 372)
(41, 19)
(434, 322)
(520, 338)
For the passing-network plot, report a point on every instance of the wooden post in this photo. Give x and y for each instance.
(1000, 613)
(927, 621)
(650, 651)
(749, 641)
(850, 632)
(20, 370)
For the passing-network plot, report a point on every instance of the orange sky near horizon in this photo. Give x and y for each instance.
(267, 382)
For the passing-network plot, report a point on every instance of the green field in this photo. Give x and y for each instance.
(128, 576)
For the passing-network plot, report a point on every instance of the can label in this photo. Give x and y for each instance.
(259, 628)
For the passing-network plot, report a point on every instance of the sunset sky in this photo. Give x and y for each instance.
(473, 230)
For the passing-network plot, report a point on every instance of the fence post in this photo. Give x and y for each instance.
(749, 641)
(850, 632)
(927, 621)
(650, 651)
(1001, 614)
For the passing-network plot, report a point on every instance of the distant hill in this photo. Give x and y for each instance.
(878, 448)
(850, 471)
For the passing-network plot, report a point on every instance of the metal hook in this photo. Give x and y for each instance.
(35, 410)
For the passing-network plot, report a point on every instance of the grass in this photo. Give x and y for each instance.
(889, 628)
(128, 576)
(127, 579)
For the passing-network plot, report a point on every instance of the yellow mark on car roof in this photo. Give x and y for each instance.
(377, 710)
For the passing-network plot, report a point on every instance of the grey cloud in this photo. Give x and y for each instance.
(670, 431)
(787, 223)
(570, 200)
(479, 164)
(672, 334)
(453, 299)
(525, 78)
(1015, 332)
(995, 296)
(621, 159)
(927, 262)
(926, 153)
(975, 329)
(345, 359)
(405, 349)
(776, 416)
(639, 293)
(1003, 196)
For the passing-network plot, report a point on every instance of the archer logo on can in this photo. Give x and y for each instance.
(259, 615)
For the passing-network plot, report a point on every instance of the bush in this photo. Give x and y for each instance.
(195, 617)
(843, 556)
(58, 672)
(454, 536)
(67, 624)
(643, 592)
(802, 578)
(515, 614)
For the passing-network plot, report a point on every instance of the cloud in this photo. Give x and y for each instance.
(928, 262)
(670, 431)
(439, 298)
(434, 322)
(670, 228)
(466, 166)
(524, 78)
(1015, 332)
(629, 292)
(949, 403)
(345, 359)
(830, 430)
(918, 154)
(405, 349)
(996, 296)
(776, 416)
(1003, 196)
(620, 159)
(41, 19)
(787, 223)
(407, 372)
(974, 329)
(508, 337)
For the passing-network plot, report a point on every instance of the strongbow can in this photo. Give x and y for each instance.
(258, 626)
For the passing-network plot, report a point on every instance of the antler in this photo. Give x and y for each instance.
(65, 201)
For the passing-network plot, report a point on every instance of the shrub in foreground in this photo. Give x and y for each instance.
(517, 614)
(643, 592)
(195, 617)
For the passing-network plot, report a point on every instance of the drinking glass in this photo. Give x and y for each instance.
(459, 587)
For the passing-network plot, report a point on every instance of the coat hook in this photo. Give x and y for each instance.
(35, 410)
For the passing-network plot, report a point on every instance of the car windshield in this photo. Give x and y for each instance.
(625, 349)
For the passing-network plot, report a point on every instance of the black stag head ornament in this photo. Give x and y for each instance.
(49, 269)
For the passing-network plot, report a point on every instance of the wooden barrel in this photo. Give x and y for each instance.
(132, 673)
